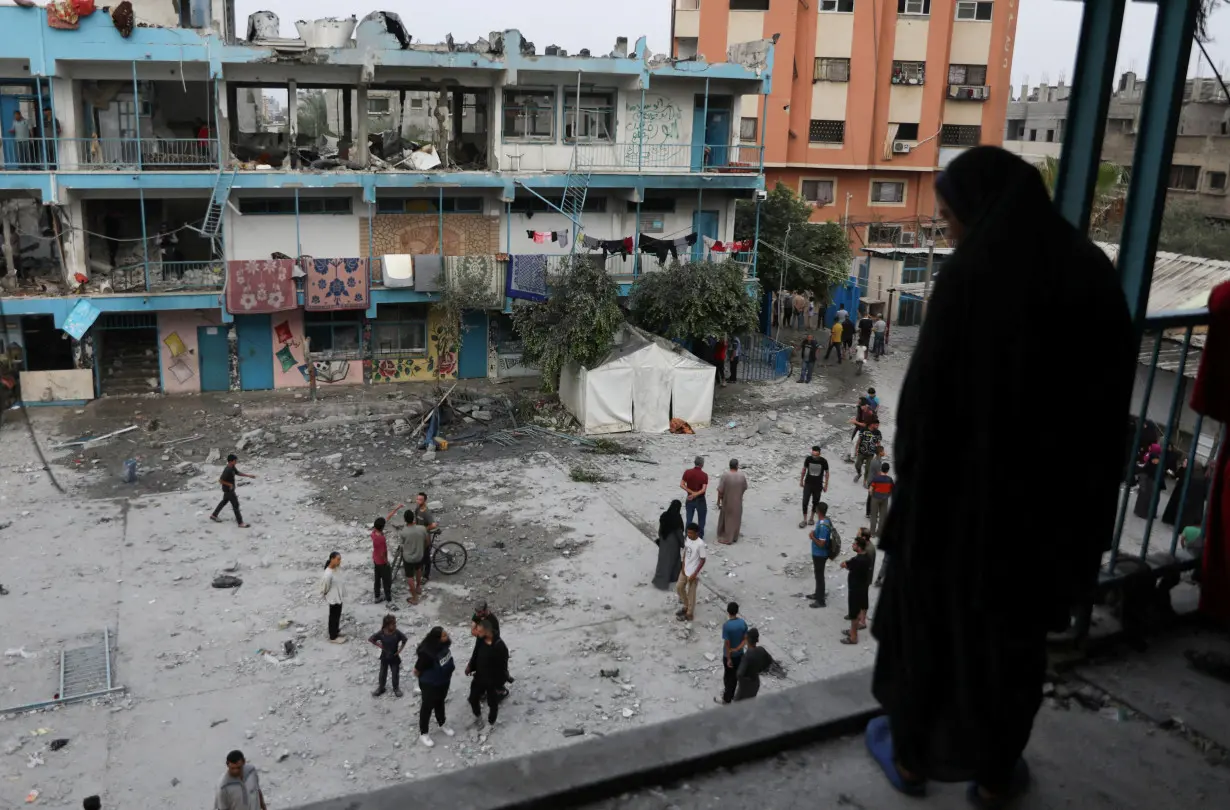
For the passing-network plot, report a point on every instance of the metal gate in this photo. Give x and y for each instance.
(763, 358)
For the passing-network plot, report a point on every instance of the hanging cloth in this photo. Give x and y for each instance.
(562, 238)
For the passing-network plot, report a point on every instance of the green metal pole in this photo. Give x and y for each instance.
(1096, 52)
(1159, 119)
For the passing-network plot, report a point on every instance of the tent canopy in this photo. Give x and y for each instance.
(640, 385)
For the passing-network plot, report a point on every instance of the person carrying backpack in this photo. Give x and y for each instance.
(825, 545)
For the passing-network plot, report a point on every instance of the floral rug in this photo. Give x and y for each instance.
(260, 286)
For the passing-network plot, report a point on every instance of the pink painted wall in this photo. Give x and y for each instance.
(293, 377)
(188, 364)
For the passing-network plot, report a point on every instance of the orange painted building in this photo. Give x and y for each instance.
(870, 97)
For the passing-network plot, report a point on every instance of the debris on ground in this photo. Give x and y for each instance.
(227, 581)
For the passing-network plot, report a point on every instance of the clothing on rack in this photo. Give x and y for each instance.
(541, 237)
(661, 247)
(562, 238)
(591, 242)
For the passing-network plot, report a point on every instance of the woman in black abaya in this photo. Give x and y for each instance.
(961, 622)
(670, 546)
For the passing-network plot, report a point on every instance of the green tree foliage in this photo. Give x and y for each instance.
(695, 300)
(578, 322)
(823, 244)
(1109, 189)
(312, 111)
(1187, 231)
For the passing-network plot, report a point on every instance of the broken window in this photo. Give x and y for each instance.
(968, 75)
(831, 70)
(597, 116)
(529, 114)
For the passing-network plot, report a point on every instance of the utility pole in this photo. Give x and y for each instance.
(781, 282)
(930, 257)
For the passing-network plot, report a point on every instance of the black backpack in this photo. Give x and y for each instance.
(834, 541)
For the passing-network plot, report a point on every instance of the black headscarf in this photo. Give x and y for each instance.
(961, 622)
(671, 520)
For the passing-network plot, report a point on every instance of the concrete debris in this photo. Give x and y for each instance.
(215, 455)
(771, 416)
(764, 427)
(230, 565)
(785, 428)
(609, 673)
(227, 581)
(19, 652)
(799, 655)
(13, 745)
(574, 732)
(710, 657)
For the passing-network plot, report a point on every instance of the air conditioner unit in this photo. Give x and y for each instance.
(901, 148)
(906, 239)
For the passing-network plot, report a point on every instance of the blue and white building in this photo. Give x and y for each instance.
(152, 158)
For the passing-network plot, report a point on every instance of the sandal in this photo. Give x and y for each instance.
(847, 640)
(215, 518)
(245, 525)
(802, 524)
(879, 739)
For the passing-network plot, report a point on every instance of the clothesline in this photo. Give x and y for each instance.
(831, 275)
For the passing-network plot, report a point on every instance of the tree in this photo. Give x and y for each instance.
(821, 244)
(696, 300)
(1109, 190)
(465, 288)
(312, 114)
(578, 322)
(1187, 231)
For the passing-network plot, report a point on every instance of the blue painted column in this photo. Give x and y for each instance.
(1097, 49)
(136, 111)
(38, 100)
(1159, 118)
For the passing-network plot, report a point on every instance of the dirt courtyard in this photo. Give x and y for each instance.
(565, 563)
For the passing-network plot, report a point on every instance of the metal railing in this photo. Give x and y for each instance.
(632, 156)
(625, 269)
(1169, 359)
(37, 154)
(169, 276)
(763, 358)
(147, 153)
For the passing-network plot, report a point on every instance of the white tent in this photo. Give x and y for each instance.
(640, 385)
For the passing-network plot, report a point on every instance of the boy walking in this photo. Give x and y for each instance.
(808, 353)
(734, 643)
(881, 490)
(227, 480)
(870, 447)
(693, 553)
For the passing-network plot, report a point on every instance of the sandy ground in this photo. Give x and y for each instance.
(565, 564)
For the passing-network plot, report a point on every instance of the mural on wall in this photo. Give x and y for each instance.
(288, 342)
(663, 124)
(178, 369)
(327, 371)
(464, 235)
(438, 363)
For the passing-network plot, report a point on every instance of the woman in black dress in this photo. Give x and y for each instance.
(670, 544)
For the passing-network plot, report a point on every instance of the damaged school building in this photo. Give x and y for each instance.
(190, 206)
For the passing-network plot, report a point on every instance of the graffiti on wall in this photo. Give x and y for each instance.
(662, 120)
(327, 371)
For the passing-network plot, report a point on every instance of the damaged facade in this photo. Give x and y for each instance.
(201, 211)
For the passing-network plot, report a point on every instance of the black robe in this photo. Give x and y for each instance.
(670, 547)
(984, 560)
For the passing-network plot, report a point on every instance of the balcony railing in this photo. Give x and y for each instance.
(169, 277)
(969, 92)
(633, 156)
(627, 268)
(120, 154)
(1148, 531)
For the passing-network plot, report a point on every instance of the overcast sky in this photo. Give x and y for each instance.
(1045, 44)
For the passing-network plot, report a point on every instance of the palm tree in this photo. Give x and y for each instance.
(312, 110)
(1108, 189)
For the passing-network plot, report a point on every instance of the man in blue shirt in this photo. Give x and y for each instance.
(873, 400)
(819, 537)
(734, 643)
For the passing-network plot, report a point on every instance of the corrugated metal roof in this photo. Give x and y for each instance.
(1179, 282)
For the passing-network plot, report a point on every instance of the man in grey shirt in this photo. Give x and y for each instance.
(240, 788)
(413, 538)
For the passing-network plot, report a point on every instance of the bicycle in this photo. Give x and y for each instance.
(448, 557)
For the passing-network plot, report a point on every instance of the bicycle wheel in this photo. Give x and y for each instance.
(449, 558)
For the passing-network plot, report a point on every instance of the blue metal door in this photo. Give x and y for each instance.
(472, 362)
(717, 138)
(255, 335)
(704, 223)
(213, 352)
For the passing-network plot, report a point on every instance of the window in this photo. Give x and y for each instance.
(913, 6)
(332, 331)
(826, 131)
(934, 233)
(655, 205)
(880, 234)
(961, 135)
(844, 6)
(652, 223)
(533, 205)
(747, 129)
(1050, 135)
(968, 75)
(887, 191)
(401, 328)
(831, 70)
(378, 105)
(416, 103)
(1033, 134)
(818, 192)
(1184, 177)
(906, 132)
(749, 5)
(909, 73)
(1217, 180)
(529, 114)
(429, 205)
(597, 116)
(974, 10)
(286, 205)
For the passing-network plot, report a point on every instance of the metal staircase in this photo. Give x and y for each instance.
(576, 191)
(212, 224)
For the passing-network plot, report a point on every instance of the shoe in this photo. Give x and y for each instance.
(490, 726)
(378, 692)
(718, 700)
(426, 740)
(849, 619)
(817, 604)
(338, 640)
(446, 731)
(396, 693)
(879, 741)
(478, 722)
(1020, 783)
(811, 521)
(802, 524)
(418, 690)
(215, 518)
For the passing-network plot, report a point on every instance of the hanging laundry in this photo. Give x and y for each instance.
(629, 245)
(562, 238)
(541, 237)
(659, 248)
(591, 242)
(684, 241)
(718, 247)
(621, 246)
(708, 242)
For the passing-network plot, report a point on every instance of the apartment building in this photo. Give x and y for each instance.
(166, 167)
(881, 94)
(1199, 167)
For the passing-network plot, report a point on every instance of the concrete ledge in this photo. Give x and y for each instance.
(642, 757)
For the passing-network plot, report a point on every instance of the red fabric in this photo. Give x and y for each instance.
(1211, 397)
(380, 548)
(84, 8)
(718, 247)
(695, 478)
(629, 243)
(719, 351)
(261, 286)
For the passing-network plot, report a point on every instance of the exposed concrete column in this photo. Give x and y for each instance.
(360, 150)
(221, 124)
(7, 226)
(73, 240)
(67, 111)
(292, 122)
